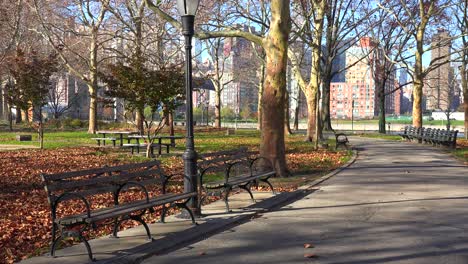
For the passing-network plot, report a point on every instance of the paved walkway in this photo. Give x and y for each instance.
(398, 203)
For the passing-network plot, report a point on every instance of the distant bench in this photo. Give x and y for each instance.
(137, 146)
(83, 186)
(231, 169)
(436, 137)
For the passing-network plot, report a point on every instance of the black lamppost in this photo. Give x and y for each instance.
(187, 10)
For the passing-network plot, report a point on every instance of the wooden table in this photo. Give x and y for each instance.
(159, 138)
(116, 132)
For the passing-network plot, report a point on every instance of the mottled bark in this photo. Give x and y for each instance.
(276, 47)
(218, 91)
(260, 95)
(311, 98)
(287, 124)
(93, 83)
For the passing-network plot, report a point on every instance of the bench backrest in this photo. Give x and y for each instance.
(84, 183)
(222, 157)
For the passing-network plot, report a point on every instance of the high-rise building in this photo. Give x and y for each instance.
(356, 95)
(439, 84)
(240, 74)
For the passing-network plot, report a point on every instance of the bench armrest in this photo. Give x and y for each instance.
(130, 183)
(59, 199)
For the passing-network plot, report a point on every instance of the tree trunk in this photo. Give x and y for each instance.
(464, 75)
(18, 116)
(276, 49)
(218, 104)
(318, 125)
(24, 116)
(297, 110)
(10, 118)
(417, 103)
(139, 118)
(311, 97)
(260, 94)
(93, 83)
(326, 118)
(92, 109)
(287, 124)
(171, 127)
(381, 111)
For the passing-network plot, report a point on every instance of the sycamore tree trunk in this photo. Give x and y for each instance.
(273, 99)
(287, 125)
(93, 83)
(417, 102)
(260, 94)
(311, 97)
(92, 109)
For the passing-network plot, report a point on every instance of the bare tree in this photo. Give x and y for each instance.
(275, 44)
(309, 23)
(387, 42)
(75, 28)
(461, 17)
(418, 21)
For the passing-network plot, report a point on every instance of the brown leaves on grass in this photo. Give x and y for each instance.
(318, 160)
(25, 220)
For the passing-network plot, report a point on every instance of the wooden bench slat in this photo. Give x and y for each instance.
(88, 172)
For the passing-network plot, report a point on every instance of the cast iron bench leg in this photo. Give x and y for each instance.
(184, 206)
(227, 190)
(269, 184)
(247, 188)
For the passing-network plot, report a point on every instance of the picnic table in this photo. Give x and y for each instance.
(116, 132)
(159, 144)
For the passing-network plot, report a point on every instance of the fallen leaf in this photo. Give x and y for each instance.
(308, 246)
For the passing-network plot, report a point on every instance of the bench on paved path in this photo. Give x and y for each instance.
(341, 140)
(436, 137)
(103, 139)
(237, 168)
(87, 187)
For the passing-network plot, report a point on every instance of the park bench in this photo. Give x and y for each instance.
(104, 139)
(137, 146)
(231, 169)
(341, 140)
(436, 137)
(105, 195)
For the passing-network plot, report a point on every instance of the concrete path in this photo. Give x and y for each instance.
(398, 203)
